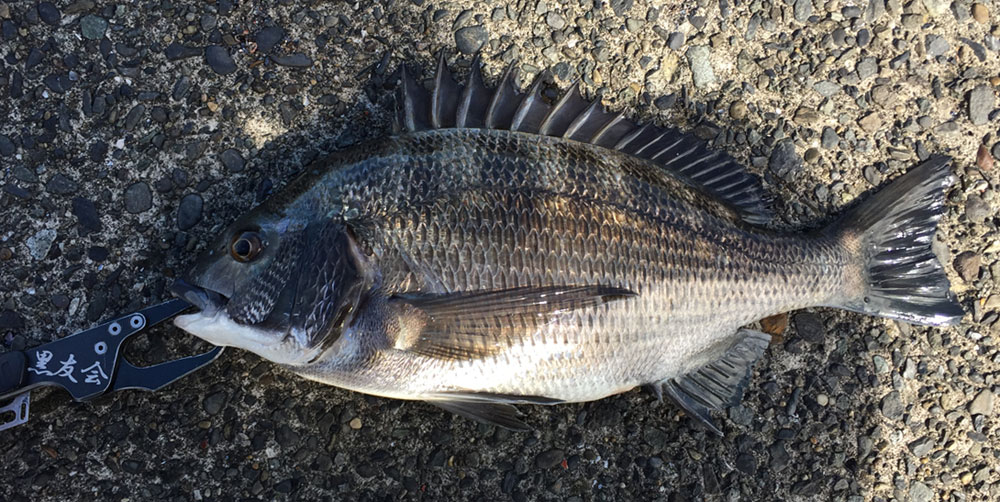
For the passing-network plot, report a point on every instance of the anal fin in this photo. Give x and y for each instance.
(489, 408)
(720, 383)
(499, 414)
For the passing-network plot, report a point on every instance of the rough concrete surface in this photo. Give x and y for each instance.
(132, 131)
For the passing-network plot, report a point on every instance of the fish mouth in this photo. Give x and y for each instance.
(208, 301)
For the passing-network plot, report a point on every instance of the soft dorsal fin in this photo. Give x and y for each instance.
(477, 324)
(572, 116)
(720, 383)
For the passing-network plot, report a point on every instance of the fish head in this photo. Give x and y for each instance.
(281, 287)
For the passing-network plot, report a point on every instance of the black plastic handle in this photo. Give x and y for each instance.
(13, 369)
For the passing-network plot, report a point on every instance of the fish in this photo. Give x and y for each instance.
(505, 247)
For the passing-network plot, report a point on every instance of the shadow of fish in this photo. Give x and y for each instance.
(502, 248)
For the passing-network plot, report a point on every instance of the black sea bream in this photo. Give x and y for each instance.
(504, 249)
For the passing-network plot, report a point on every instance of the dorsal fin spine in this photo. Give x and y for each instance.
(500, 93)
(436, 98)
(472, 87)
(549, 122)
(580, 119)
(629, 138)
(663, 151)
(620, 116)
(409, 120)
(533, 97)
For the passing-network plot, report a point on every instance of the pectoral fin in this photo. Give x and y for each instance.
(720, 383)
(477, 324)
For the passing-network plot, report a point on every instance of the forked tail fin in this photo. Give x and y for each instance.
(891, 232)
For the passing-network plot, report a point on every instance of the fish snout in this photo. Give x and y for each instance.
(206, 300)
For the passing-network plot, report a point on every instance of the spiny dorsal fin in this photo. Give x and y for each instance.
(720, 383)
(572, 116)
(477, 324)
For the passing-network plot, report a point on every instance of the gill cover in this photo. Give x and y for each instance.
(334, 280)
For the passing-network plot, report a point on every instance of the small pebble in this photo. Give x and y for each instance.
(40, 243)
(7, 147)
(881, 365)
(980, 104)
(738, 110)
(829, 138)
(980, 13)
(977, 209)
(355, 423)
(811, 155)
(59, 184)
(60, 301)
(867, 68)
(802, 9)
(219, 60)
(892, 406)
(982, 404)
(98, 253)
(864, 37)
(49, 13)
(268, 38)
(214, 402)
(86, 214)
(967, 265)
(701, 66)
(296, 60)
(549, 458)
(555, 20)
(936, 45)
(138, 198)
(675, 40)
(826, 88)
(784, 160)
(774, 325)
(233, 161)
(870, 123)
(922, 446)
(176, 51)
(189, 212)
(983, 158)
(93, 27)
(919, 492)
(470, 39)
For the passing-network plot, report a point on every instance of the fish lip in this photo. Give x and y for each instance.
(206, 300)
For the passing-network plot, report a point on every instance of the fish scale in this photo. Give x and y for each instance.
(574, 258)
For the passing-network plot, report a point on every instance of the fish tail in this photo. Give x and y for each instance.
(891, 233)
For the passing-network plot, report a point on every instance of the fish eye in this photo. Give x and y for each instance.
(246, 246)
